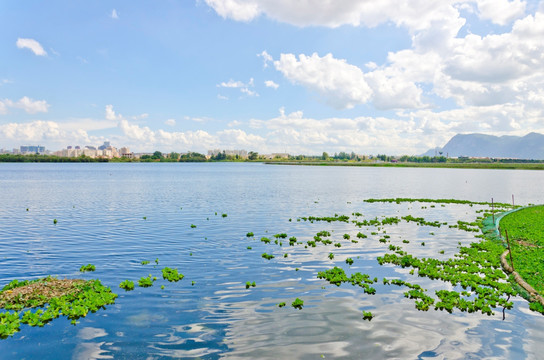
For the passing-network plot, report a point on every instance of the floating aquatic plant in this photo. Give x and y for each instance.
(367, 315)
(88, 267)
(171, 274)
(297, 304)
(128, 285)
(249, 234)
(145, 281)
(250, 284)
(267, 256)
(281, 304)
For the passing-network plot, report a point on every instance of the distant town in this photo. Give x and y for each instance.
(108, 151)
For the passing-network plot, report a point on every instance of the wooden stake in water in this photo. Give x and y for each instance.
(513, 206)
(509, 250)
(493, 211)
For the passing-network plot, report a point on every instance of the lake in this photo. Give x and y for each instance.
(117, 215)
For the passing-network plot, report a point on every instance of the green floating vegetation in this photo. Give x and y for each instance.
(337, 276)
(127, 285)
(267, 256)
(281, 304)
(438, 201)
(73, 298)
(145, 281)
(347, 236)
(193, 226)
(292, 241)
(224, 215)
(367, 315)
(297, 304)
(421, 221)
(265, 240)
(331, 256)
(145, 262)
(349, 261)
(360, 235)
(88, 267)
(336, 217)
(476, 269)
(55, 221)
(250, 234)
(171, 275)
(250, 284)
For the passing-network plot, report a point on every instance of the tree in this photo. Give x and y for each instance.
(173, 155)
(253, 155)
(325, 156)
(157, 155)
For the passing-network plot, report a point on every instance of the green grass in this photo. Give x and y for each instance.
(526, 233)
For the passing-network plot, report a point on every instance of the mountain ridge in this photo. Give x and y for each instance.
(530, 146)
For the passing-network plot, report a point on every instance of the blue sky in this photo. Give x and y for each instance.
(394, 77)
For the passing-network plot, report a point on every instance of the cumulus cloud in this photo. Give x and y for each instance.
(26, 104)
(341, 85)
(501, 12)
(271, 84)
(170, 122)
(32, 45)
(41, 132)
(111, 115)
(114, 14)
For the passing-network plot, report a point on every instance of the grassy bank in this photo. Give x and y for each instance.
(447, 165)
(526, 233)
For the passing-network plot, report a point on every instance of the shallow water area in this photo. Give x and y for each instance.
(117, 215)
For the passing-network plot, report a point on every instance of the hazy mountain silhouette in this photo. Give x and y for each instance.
(530, 146)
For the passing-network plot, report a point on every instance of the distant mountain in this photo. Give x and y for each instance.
(530, 146)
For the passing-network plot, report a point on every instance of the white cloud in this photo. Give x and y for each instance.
(243, 87)
(170, 122)
(41, 132)
(114, 14)
(111, 115)
(501, 12)
(271, 84)
(414, 14)
(222, 97)
(266, 58)
(340, 84)
(32, 45)
(25, 103)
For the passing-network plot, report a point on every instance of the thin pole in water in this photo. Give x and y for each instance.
(493, 210)
(509, 250)
(513, 201)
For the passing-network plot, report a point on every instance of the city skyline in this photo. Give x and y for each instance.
(268, 76)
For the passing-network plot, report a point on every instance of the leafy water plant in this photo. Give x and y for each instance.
(250, 284)
(145, 281)
(171, 275)
(250, 234)
(224, 215)
(145, 262)
(128, 285)
(347, 236)
(73, 298)
(88, 267)
(367, 315)
(281, 304)
(331, 256)
(193, 226)
(265, 240)
(349, 261)
(267, 256)
(55, 221)
(297, 304)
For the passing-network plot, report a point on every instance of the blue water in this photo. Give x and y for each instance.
(100, 210)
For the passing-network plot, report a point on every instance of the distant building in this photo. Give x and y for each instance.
(32, 150)
(106, 145)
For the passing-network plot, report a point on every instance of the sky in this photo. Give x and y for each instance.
(373, 77)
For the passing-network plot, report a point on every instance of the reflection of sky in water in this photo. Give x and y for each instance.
(101, 222)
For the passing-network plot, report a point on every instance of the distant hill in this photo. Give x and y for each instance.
(530, 146)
